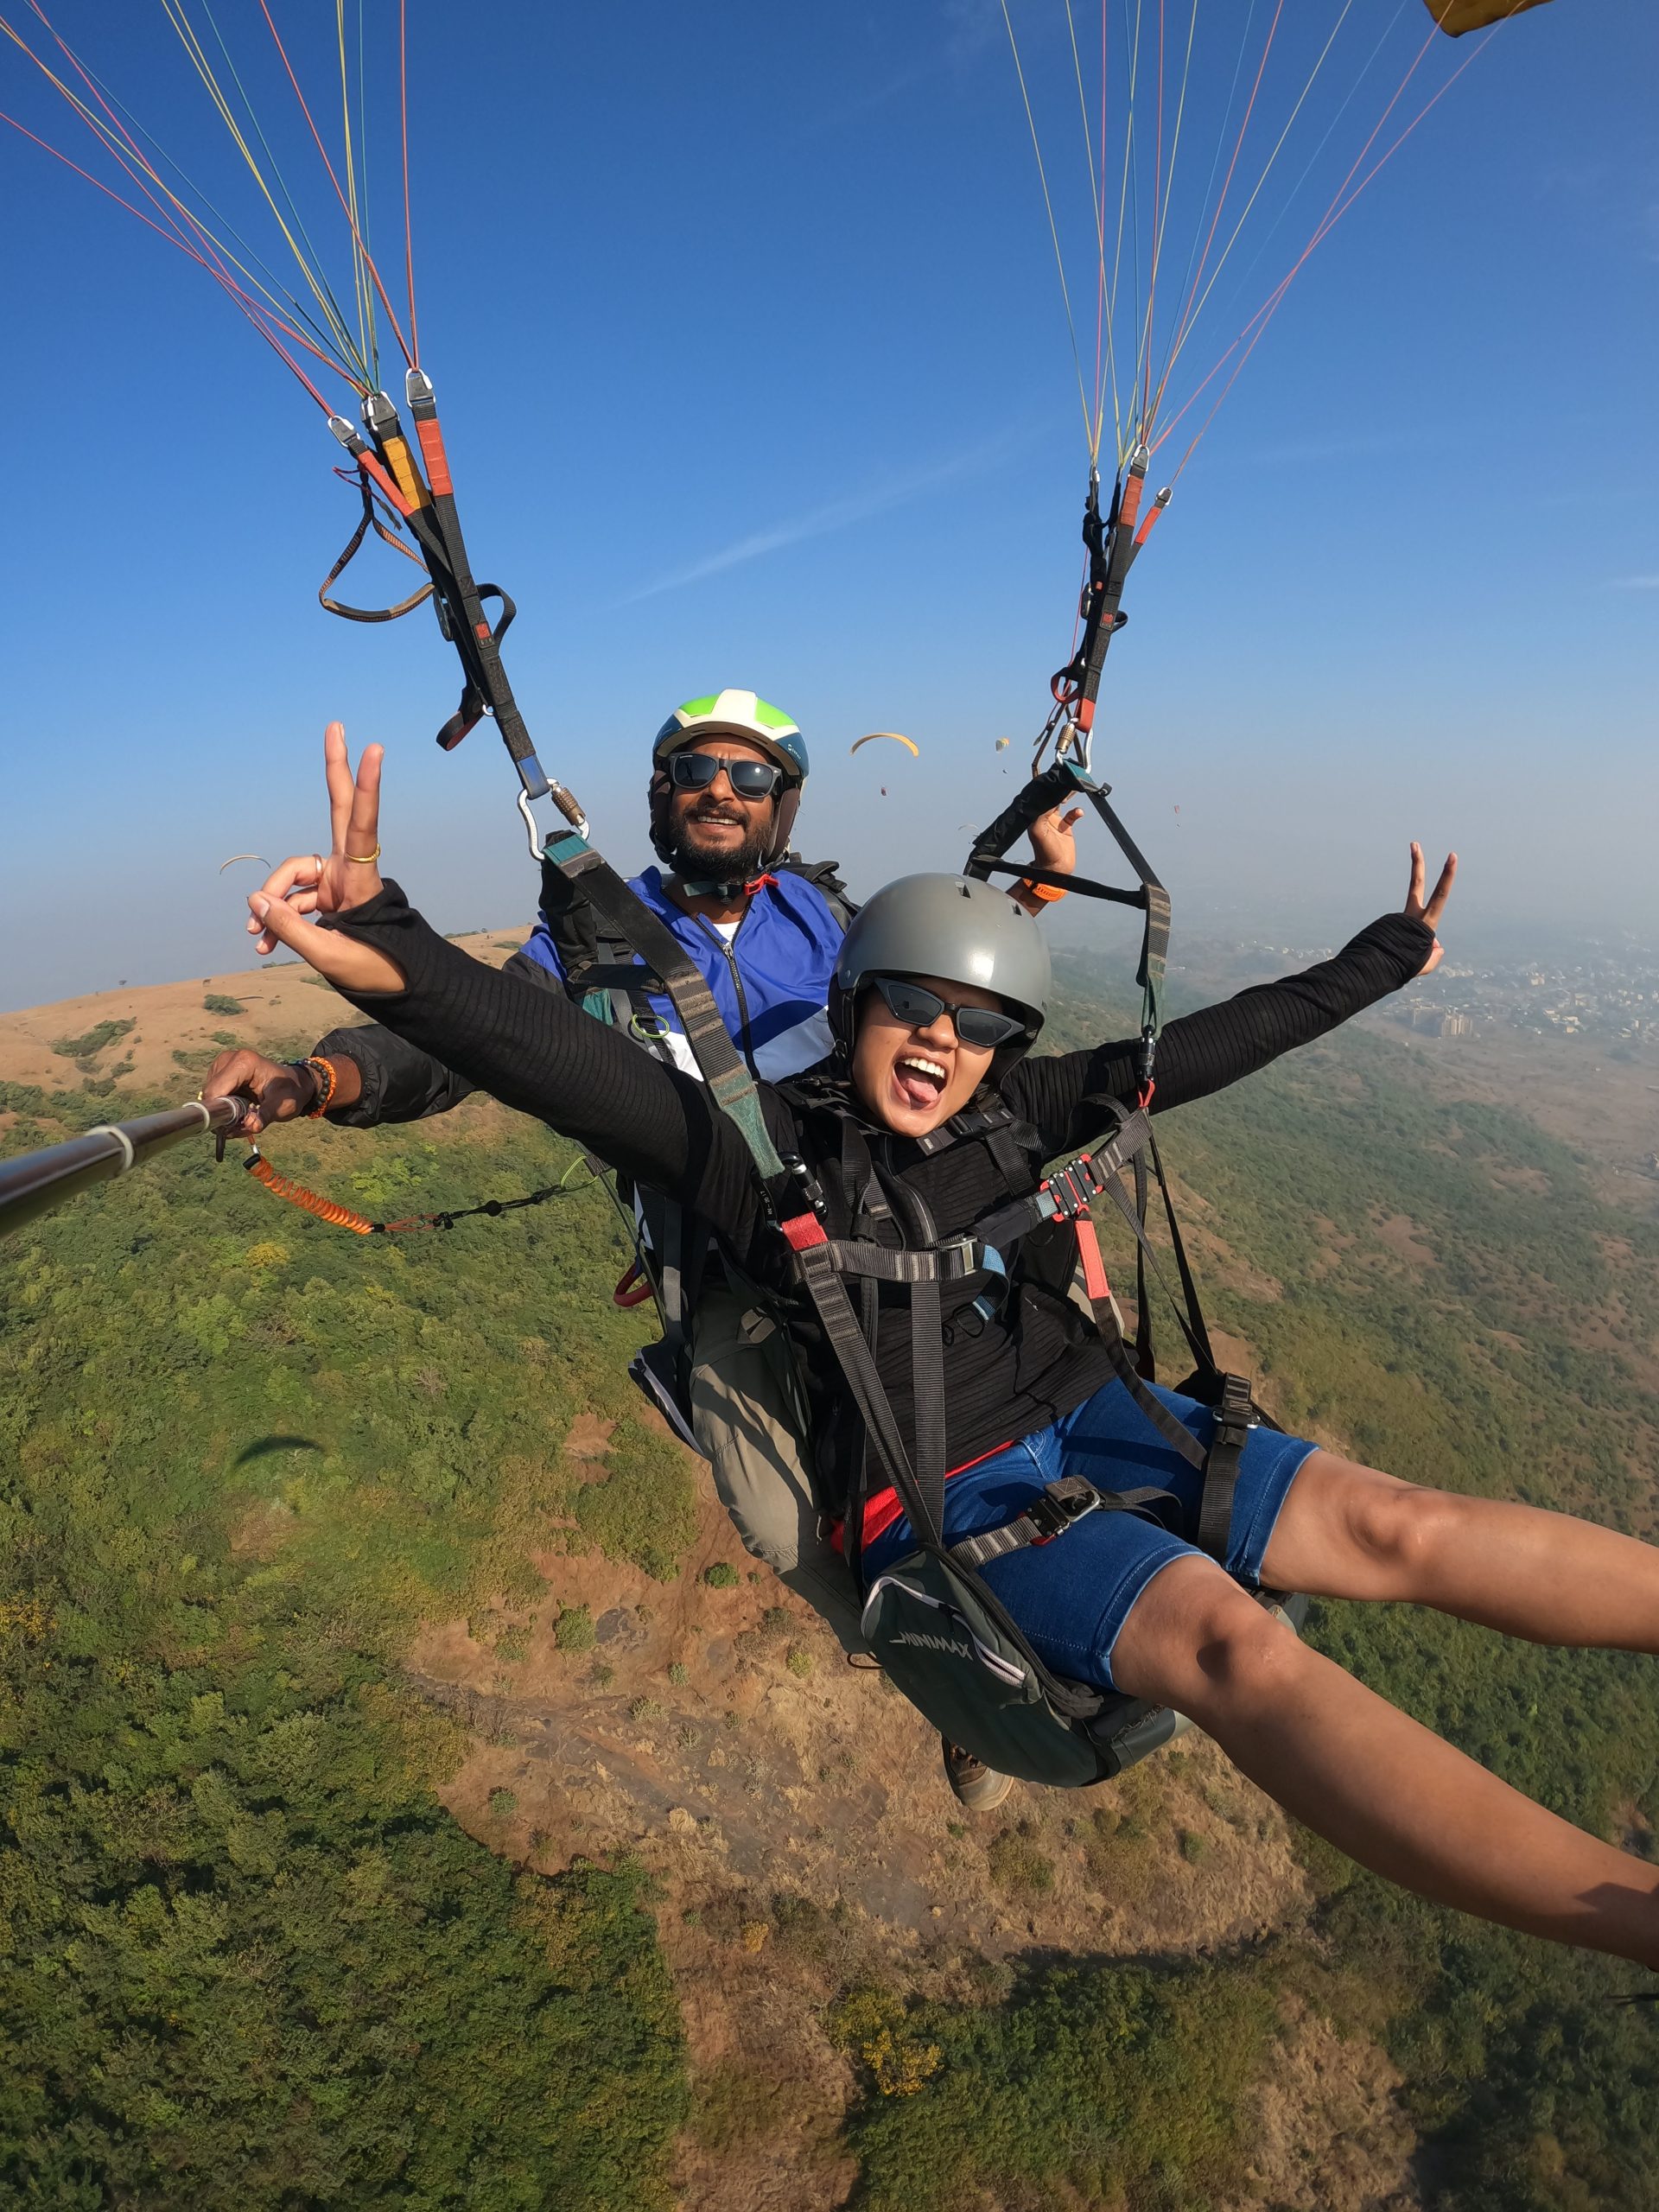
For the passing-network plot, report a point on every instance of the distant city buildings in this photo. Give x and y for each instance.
(1611, 1000)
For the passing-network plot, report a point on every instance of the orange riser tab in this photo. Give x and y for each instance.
(437, 464)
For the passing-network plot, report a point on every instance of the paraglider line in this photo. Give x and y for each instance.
(310, 268)
(1053, 231)
(1327, 222)
(362, 246)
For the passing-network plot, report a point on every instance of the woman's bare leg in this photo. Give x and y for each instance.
(1349, 1531)
(1374, 1783)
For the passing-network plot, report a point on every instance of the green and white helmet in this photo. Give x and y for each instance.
(732, 713)
(736, 713)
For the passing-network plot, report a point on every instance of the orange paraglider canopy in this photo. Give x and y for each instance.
(1456, 16)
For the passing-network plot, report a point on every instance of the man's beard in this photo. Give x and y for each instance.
(697, 860)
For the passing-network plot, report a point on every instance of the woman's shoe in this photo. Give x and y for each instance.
(979, 1787)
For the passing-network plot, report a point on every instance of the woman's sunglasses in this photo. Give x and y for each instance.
(696, 772)
(975, 1025)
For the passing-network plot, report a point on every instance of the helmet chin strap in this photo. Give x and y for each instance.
(700, 887)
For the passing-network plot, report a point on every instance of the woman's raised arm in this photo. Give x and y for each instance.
(1202, 1052)
(532, 1049)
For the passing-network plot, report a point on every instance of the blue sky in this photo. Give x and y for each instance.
(753, 363)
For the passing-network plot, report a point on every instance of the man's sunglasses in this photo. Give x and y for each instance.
(696, 772)
(975, 1025)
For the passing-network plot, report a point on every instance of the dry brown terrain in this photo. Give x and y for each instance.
(284, 1003)
(718, 1733)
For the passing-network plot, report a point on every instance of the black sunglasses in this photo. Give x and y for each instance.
(974, 1024)
(696, 772)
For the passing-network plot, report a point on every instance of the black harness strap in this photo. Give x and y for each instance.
(810, 1245)
(1051, 788)
(1059, 1507)
(927, 1397)
(730, 1083)
(1235, 1417)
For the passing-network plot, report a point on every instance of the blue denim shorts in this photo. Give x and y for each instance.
(1071, 1597)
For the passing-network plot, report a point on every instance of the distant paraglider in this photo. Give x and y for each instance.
(891, 737)
(1003, 743)
(235, 857)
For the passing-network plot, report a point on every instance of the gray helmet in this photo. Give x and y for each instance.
(951, 926)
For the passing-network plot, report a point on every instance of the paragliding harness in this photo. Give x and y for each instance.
(671, 1253)
(932, 1620)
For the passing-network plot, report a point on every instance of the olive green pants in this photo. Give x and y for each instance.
(744, 1413)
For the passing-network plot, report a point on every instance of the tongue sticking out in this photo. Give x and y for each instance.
(916, 1086)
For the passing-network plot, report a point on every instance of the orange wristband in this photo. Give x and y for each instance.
(327, 1083)
(1047, 893)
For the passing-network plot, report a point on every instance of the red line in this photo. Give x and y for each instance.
(1181, 324)
(1326, 224)
(256, 312)
(362, 243)
(136, 164)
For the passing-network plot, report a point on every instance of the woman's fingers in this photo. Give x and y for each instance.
(353, 967)
(1414, 887)
(1442, 892)
(363, 825)
(293, 885)
(302, 868)
(337, 765)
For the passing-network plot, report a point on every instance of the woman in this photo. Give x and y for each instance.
(1118, 1601)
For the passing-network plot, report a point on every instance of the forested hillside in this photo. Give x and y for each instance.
(306, 1539)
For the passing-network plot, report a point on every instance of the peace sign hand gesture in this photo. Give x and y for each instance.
(1430, 911)
(308, 884)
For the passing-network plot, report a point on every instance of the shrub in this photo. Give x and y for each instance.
(574, 1629)
(87, 1047)
(220, 1002)
(1016, 1865)
(723, 1575)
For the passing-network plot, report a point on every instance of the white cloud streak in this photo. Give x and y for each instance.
(836, 514)
(1633, 583)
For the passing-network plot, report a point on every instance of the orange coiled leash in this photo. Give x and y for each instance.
(296, 1194)
(339, 1216)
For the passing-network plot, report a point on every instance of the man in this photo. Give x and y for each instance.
(727, 774)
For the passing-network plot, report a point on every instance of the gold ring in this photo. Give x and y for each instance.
(316, 864)
(363, 860)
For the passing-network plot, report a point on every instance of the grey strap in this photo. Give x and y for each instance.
(950, 1262)
(1039, 1527)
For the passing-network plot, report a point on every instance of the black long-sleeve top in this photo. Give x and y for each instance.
(535, 1051)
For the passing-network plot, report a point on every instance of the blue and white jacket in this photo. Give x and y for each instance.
(769, 973)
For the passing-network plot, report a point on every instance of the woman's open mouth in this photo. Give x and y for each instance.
(918, 1080)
